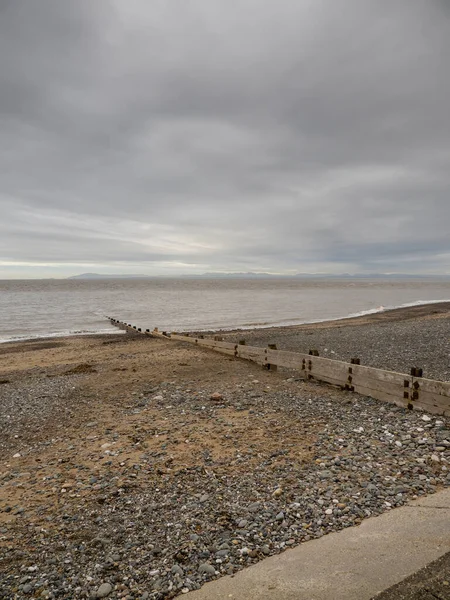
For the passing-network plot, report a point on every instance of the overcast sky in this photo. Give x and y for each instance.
(184, 136)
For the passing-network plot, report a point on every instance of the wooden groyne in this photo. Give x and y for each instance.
(411, 391)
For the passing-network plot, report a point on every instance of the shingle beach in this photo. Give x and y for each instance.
(140, 468)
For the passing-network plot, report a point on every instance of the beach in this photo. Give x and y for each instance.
(135, 467)
(395, 340)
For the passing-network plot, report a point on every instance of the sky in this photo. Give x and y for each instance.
(190, 136)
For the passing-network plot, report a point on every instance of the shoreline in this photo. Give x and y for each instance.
(401, 313)
(434, 309)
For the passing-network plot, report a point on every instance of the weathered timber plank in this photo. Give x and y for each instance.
(182, 338)
(226, 351)
(383, 396)
(428, 407)
(335, 372)
(434, 410)
(204, 343)
(216, 345)
(395, 388)
(441, 388)
(432, 401)
(379, 374)
(222, 347)
(285, 358)
(381, 383)
(338, 372)
(319, 366)
(253, 353)
(164, 337)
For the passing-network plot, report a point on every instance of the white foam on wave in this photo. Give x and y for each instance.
(248, 326)
(372, 311)
(58, 334)
(291, 322)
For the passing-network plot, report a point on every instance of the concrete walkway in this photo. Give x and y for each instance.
(353, 564)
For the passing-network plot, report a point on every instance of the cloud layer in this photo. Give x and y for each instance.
(171, 137)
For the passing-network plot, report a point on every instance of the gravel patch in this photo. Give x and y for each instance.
(153, 529)
(27, 406)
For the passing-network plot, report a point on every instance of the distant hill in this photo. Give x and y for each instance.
(103, 276)
(249, 275)
(252, 275)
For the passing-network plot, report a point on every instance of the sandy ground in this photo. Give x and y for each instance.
(107, 376)
(103, 378)
(75, 409)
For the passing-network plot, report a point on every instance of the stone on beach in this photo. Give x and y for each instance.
(104, 590)
(192, 490)
(207, 569)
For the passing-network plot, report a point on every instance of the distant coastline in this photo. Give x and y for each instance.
(105, 276)
(252, 275)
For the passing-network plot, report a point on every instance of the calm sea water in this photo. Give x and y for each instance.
(41, 308)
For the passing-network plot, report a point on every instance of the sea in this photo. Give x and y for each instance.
(51, 308)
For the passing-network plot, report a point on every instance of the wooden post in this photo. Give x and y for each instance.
(309, 376)
(406, 393)
(348, 386)
(268, 366)
(416, 372)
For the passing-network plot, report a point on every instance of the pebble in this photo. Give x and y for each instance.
(177, 570)
(207, 568)
(104, 590)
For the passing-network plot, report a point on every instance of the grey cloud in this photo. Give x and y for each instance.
(242, 135)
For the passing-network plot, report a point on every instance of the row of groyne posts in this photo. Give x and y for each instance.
(411, 391)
